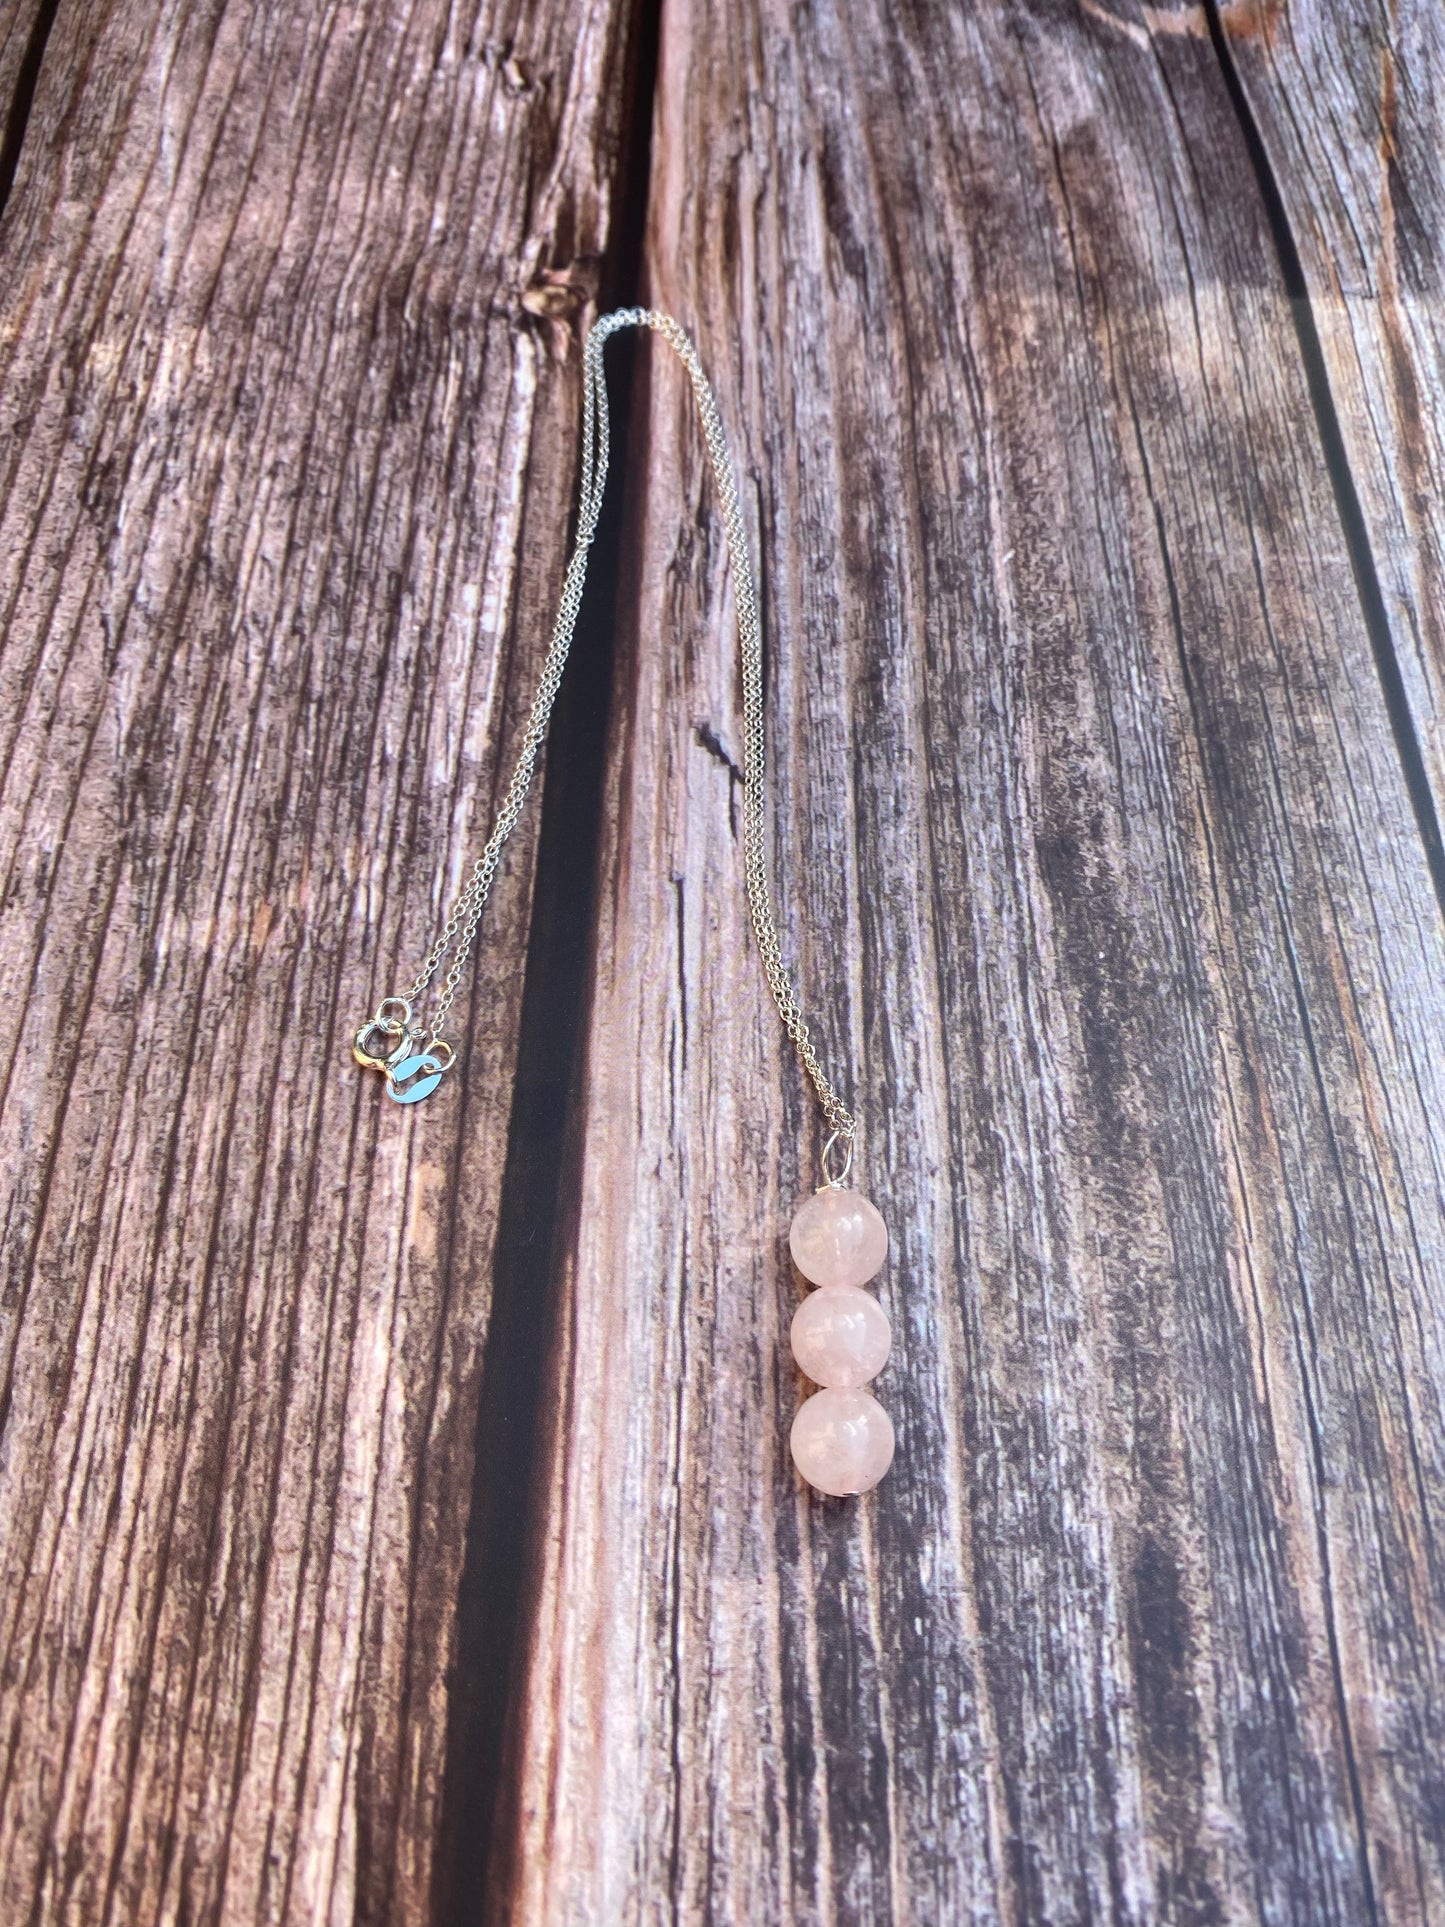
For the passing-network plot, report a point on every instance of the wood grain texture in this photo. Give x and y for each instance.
(1106, 891)
(1350, 103)
(286, 439)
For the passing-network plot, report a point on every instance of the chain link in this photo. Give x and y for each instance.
(458, 934)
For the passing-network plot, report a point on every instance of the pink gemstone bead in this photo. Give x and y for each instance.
(841, 1336)
(842, 1442)
(838, 1238)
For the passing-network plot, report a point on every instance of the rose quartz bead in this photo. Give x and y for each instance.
(841, 1336)
(838, 1238)
(842, 1442)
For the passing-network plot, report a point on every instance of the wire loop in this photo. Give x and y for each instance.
(836, 1180)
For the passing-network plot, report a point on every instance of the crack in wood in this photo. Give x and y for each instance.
(22, 50)
(1342, 478)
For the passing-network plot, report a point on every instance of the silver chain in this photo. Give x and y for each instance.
(459, 931)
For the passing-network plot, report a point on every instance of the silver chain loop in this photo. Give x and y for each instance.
(458, 934)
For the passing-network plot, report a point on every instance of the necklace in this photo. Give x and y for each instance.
(842, 1439)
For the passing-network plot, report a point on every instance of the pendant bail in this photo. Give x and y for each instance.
(835, 1180)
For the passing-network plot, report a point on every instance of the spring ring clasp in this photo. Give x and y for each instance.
(392, 1029)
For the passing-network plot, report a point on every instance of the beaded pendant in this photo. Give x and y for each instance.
(842, 1439)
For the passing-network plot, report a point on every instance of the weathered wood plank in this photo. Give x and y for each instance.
(1110, 902)
(286, 455)
(1348, 102)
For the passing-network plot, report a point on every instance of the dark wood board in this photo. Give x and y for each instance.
(287, 426)
(1110, 902)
